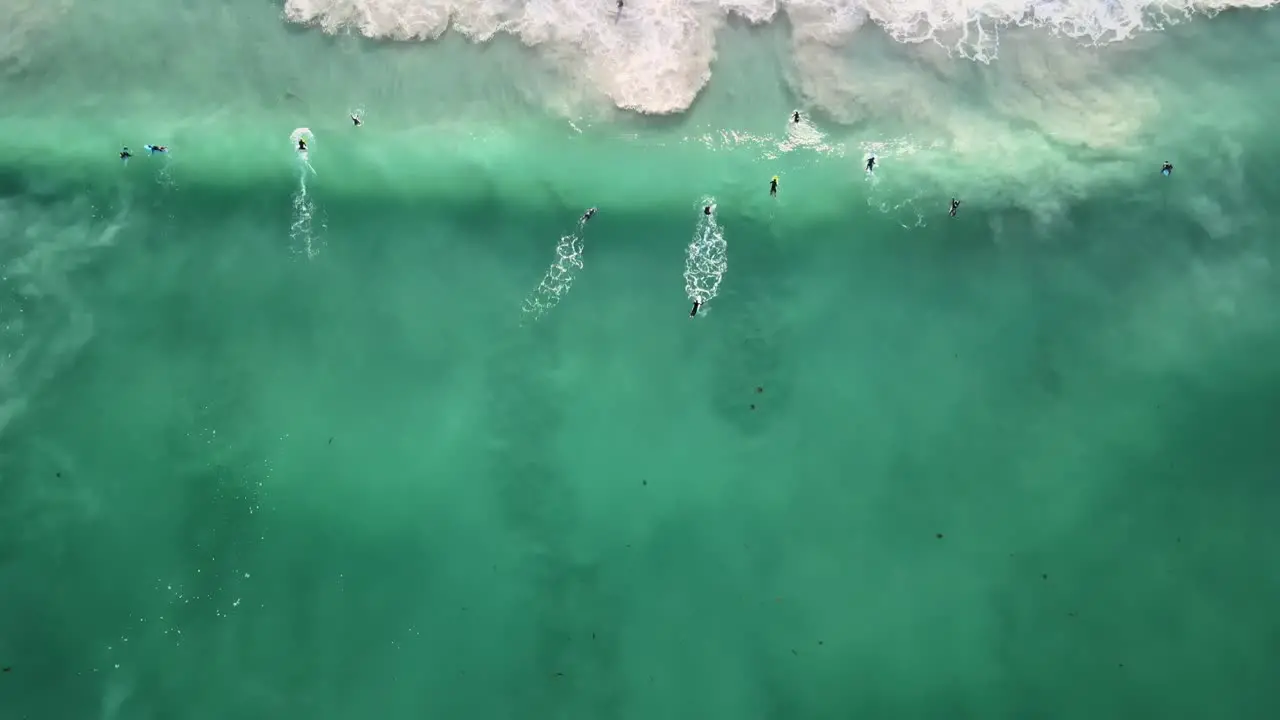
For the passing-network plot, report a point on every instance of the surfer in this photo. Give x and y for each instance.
(619, 15)
(696, 304)
(773, 186)
(355, 120)
(588, 214)
(153, 149)
(706, 210)
(302, 145)
(1166, 169)
(795, 116)
(955, 205)
(125, 154)
(871, 163)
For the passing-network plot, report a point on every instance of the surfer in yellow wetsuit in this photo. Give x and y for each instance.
(773, 186)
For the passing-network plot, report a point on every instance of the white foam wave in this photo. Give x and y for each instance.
(655, 56)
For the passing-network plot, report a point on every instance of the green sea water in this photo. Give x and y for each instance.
(279, 440)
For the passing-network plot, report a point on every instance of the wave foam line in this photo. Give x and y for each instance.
(655, 56)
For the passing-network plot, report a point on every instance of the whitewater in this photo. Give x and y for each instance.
(655, 56)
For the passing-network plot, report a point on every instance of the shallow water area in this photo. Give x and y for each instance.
(389, 430)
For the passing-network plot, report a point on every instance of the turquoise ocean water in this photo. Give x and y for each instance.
(386, 432)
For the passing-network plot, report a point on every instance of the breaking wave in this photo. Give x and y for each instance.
(654, 56)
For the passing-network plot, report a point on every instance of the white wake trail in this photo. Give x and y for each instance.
(559, 277)
(305, 239)
(707, 258)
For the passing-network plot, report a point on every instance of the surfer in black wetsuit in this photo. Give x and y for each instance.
(795, 116)
(955, 205)
(615, 17)
(1167, 168)
(696, 304)
(773, 186)
(588, 214)
(125, 154)
(355, 120)
(871, 163)
(302, 145)
(706, 210)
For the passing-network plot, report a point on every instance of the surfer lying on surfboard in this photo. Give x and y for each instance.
(125, 154)
(1167, 169)
(153, 149)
